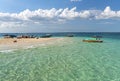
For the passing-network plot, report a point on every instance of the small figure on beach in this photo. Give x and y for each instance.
(15, 41)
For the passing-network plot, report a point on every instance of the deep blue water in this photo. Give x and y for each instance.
(115, 35)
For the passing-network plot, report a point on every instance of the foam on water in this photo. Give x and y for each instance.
(7, 51)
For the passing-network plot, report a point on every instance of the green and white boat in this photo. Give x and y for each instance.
(93, 39)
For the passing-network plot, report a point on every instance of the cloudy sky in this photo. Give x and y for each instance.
(59, 16)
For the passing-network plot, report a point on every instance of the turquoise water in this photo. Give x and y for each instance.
(67, 60)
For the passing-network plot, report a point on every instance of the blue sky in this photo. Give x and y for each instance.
(59, 16)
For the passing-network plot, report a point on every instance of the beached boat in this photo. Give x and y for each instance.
(93, 39)
(9, 36)
(25, 36)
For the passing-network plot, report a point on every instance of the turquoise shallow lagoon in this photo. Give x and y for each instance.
(67, 60)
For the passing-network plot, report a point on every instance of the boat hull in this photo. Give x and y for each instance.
(95, 41)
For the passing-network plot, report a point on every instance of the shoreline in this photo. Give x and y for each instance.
(8, 44)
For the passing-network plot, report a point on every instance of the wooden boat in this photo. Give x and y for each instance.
(94, 39)
(46, 36)
(9, 36)
(100, 41)
(25, 36)
(70, 35)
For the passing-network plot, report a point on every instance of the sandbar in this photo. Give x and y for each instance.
(14, 43)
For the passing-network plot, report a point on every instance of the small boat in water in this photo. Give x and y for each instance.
(70, 35)
(100, 41)
(94, 39)
(46, 36)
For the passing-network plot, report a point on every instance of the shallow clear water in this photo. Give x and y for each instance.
(67, 60)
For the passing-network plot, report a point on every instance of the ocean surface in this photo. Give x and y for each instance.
(66, 60)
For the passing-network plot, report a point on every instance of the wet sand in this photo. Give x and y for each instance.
(9, 43)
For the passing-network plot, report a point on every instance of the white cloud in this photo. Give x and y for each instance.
(84, 14)
(11, 24)
(44, 16)
(108, 14)
(69, 14)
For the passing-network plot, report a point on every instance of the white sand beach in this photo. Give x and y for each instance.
(14, 43)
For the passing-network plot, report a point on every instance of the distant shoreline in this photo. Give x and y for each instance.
(50, 32)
